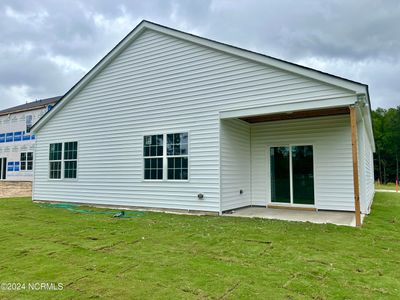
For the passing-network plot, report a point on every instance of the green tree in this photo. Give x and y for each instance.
(386, 124)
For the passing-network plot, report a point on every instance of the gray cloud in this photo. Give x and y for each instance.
(46, 46)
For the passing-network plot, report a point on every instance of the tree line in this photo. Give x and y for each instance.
(386, 124)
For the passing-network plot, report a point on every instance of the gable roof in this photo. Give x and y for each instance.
(30, 105)
(356, 87)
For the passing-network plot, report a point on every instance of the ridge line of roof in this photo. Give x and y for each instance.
(254, 52)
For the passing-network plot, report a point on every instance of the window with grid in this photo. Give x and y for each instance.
(70, 159)
(153, 146)
(177, 156)
(55, 159)
(26, 161)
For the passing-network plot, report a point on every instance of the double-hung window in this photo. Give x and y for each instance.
(153, 149)
(166, 156)
(177, 156)
(63, 160)
(55, 161)
(26, 161)
(70, 159)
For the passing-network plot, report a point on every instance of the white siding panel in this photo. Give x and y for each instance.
(331, 140)
(361, 166)
(366, 168)
(235, 164)
(159, 84)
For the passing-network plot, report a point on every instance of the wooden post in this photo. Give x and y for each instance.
(353, 121)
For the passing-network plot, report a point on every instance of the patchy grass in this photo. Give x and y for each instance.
(165, 256)
(387, 186)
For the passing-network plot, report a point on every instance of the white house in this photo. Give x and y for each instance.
(171, 120)
(16, 143)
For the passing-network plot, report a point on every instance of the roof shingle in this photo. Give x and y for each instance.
(30, 105)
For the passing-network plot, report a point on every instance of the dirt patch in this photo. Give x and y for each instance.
(15, 189)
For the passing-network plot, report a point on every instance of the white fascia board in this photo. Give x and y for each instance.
(288, 107)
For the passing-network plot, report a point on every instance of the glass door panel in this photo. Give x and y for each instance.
(302, 174)
(280, 174)
(4, 175)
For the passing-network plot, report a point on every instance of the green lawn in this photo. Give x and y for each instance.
(166, 256)
(387, 186)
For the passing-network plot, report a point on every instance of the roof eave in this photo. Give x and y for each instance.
(26, 109)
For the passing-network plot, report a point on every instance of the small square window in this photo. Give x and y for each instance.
(153, 168)
(178, 168)
(55, 152)
(62, 160)
(26, 159)
(55, 170)
(70, 169)
(153, 145)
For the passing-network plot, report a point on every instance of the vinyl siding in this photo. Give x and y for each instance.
(235, 164)
(159, 84)
(369, 174)
(366, 168)
(331, 140)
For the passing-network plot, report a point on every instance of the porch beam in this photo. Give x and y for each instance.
(353, 122)
(302, 114)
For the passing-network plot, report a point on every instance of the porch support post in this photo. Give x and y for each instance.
(354, 147)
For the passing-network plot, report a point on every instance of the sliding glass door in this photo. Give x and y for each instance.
(280, 179)
(292, 174)
(3, 168)
(303, 174)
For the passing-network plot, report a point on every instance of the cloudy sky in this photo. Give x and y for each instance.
(48, 45)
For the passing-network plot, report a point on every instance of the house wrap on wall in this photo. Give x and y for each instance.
(175, 121)
(16, 143)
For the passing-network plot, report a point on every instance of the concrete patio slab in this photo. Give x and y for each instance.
(319, 217)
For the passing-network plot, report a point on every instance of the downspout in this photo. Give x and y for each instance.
(251, 165)
(220, 164)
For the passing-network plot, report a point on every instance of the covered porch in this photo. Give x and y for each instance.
(295, 165)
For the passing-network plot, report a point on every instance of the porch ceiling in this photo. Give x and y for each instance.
(344, 110)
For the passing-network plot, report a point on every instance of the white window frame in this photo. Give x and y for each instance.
(165, 157)
(268, 164)
(63, 160)
(56, 160)
(149, 157)
(26, 161)
(165, 172)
